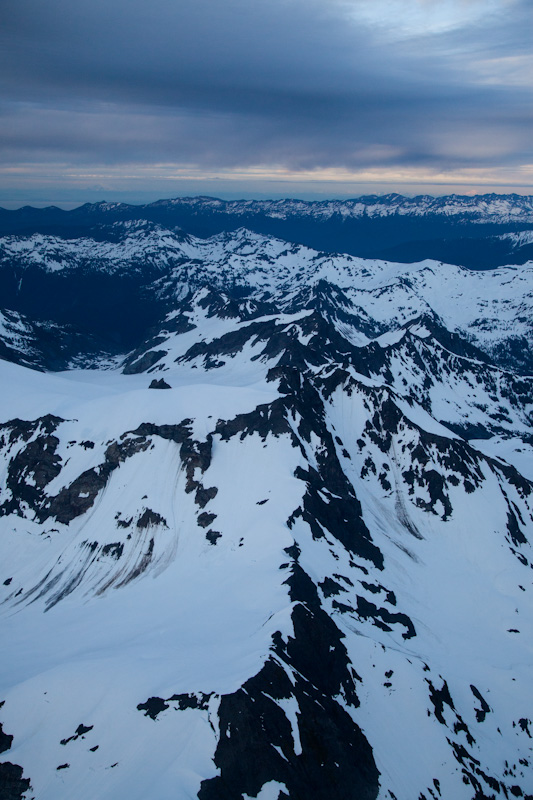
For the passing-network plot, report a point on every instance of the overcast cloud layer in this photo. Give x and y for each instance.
(287, 84)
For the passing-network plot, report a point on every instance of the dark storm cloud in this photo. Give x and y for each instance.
(298, 83)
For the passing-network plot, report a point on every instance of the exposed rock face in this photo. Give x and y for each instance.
(306, 672)
(13, 785)
(159, 384)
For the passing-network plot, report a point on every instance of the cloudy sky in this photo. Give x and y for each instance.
(140, 99)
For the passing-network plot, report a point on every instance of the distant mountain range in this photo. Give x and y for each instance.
(266, 512)
(467, 231)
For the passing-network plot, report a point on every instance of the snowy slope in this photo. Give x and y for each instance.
(301, 567)
(44, 344)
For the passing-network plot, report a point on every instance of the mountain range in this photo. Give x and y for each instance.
(266, 511)
(480, 232)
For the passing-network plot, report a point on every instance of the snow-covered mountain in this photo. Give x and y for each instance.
(464, 230)
(148, 271)
(482, 208)
(280, 547)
